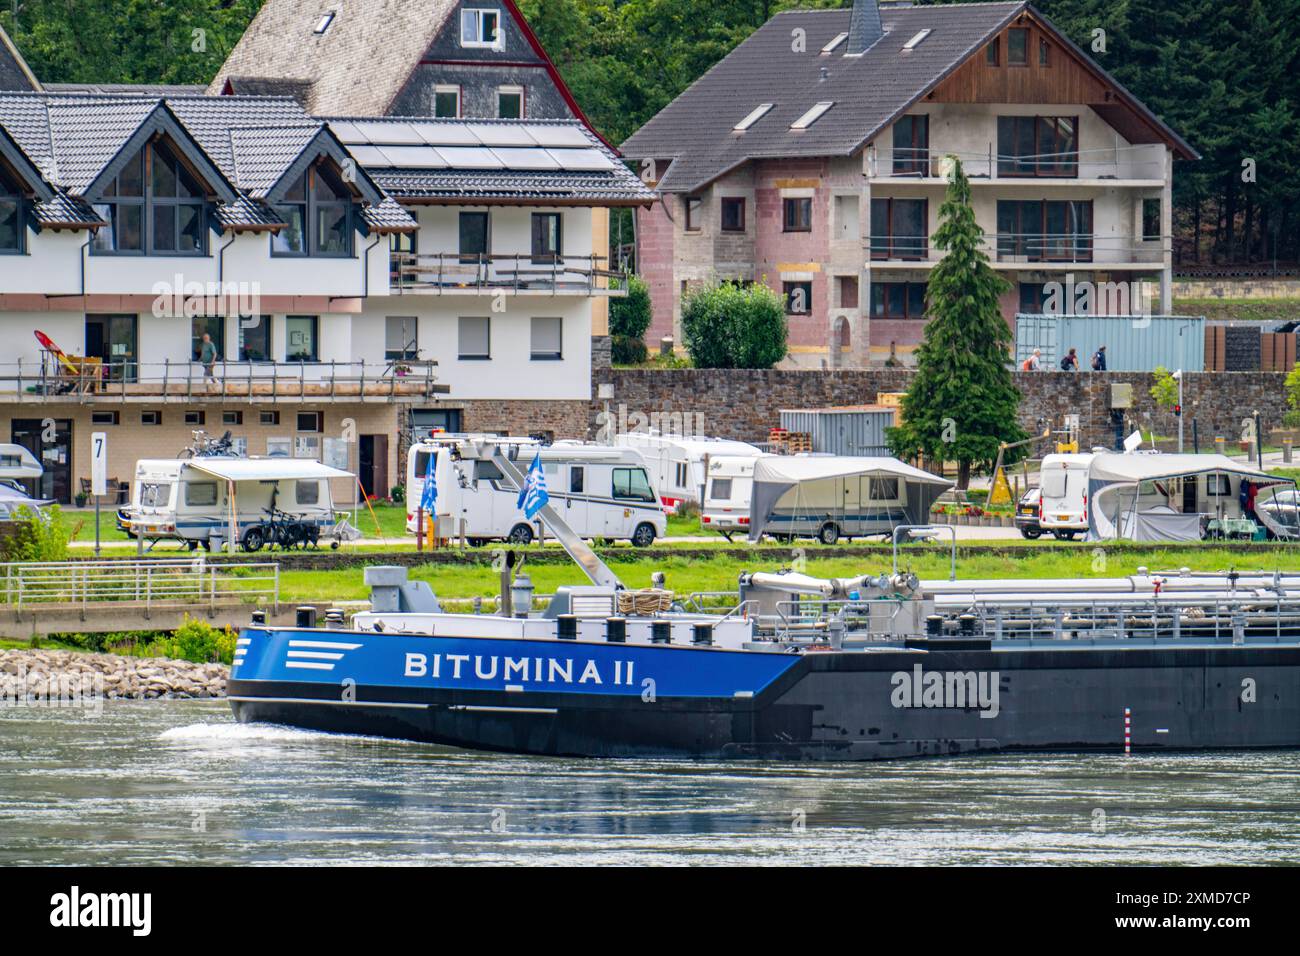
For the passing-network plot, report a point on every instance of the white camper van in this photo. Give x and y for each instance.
(17, 464)
(191, 501)
(417, 463)
(1063, 480)
(677, 463)
(600, 491)
(729, 486)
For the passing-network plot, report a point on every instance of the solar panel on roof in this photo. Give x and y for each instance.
(470, 157)
(371, 156)
(414, 157)
(382, 134)
(348, 133)
(446, 134)
(502, 134)
(581, 160)
(562, 136)
(519, 158)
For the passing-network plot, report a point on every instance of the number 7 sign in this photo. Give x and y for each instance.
(99, 464)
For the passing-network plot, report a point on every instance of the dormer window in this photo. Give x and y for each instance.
(324, 23)
(480, 28)
(154, 206)
(317, 210)
(13, 228)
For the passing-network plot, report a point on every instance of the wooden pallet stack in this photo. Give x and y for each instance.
(784, 442)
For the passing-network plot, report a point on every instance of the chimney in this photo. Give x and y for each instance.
(864, 27)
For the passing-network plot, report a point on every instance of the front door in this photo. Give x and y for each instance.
(373, 465)
(112, 338)
(52, 446)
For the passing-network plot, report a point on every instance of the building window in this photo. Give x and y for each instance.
(693, 206)
(848, 286)
(1017, 47)
(323, 23)
(1045, 230)
(1032, 298)
(510, 102)
(232, 418)
(548, 340)
(402, 249)
(13, 226)
(105, 418)
(446, 102)
(212, 326)
(992, 52)
(798, 297)
(898, 228)
(548, 237)
(195, 417)
(302, 338)
(317, 210)
(313, 422)
(1038, 146)
(268, 418)
(733, 214)
(475, 339)
(474, 227)
(912, 146)
(150, 418)
(255, 338)
(898, 300)
(480, 28)
(153, 205)
(798, 214)
(1044, 53)
(1151, 229)
(401, 338)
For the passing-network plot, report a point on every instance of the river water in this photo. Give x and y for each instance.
(179, 782)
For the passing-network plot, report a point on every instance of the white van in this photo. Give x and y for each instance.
(677, 464)
(417, 463)
(599, 490)
(1063, 480)
(189, 500)
(726, 495)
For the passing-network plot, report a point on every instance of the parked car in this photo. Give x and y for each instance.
(1028, 513)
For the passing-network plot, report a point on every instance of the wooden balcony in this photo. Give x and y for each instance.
(452, 274)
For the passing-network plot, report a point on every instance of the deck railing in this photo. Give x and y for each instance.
(1144, 162)
(450, 274)
(49, 378)
(149, 585)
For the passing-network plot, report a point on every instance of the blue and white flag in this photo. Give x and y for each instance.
(430, 496)
(533, 496)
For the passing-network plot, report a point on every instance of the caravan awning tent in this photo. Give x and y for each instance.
(777, 475)
(265, 469)
(1124, 492)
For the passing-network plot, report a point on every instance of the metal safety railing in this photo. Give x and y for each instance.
(146, 584)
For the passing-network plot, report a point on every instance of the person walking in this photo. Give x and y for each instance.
(1033, 363)
(208, 359)
(1071, 361)
(1099, 360)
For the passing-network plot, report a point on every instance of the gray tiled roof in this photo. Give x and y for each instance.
(248, 214)
(389, 216)
(868, 91)
(300, 90)
(64, 210)
(142, 89)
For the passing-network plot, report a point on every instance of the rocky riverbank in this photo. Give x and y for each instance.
(55, 675)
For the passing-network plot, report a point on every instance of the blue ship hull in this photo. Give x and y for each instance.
(940, 697)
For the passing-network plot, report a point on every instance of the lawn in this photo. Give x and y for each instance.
(391, 520)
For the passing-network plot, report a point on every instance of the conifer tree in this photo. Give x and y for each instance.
(962, 402)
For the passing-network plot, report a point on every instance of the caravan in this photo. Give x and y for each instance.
(1063, 481)
(204, 502)
(730, 485)
(17, 465)
(677, 464)
(601, 492)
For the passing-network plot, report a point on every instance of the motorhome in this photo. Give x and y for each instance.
(602, 492)
(678, 464)
(1063, 480)
(421, 452)
(728, 488)
(17, 465)
(830, 497)
(208, 502)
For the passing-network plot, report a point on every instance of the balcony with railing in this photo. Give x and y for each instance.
(56, 379)
(1041, 250)
(520, 274)
(1142, 165)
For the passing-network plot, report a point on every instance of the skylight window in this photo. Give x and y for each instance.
(759, 112)
(913, 43)
(323, 24)
(830, 47)
(812, 116)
